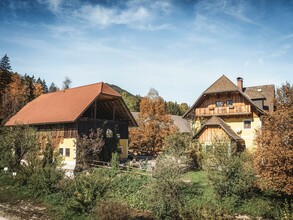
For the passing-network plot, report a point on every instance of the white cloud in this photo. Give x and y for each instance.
(98, 15)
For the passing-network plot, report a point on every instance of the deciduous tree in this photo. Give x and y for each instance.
(66, 83)
(274, 153)
(154, 125)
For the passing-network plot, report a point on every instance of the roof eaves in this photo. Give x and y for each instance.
(194, 105)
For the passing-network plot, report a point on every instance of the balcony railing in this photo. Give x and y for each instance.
(229, 110)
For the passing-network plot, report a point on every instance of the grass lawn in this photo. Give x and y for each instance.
(200, 178)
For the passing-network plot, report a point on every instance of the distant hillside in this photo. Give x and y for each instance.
(131, 100)
(120, 90)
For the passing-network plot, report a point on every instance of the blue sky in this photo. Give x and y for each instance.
(178, 47)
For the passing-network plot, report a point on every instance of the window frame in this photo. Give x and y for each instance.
(67, 150)
(230, 100)
(62, 150)
(219, 102)
(247, 120)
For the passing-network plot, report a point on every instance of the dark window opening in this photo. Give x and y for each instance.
(229, 103)
(219, 104)
(67, 152)
(61, 151)
(247, 124)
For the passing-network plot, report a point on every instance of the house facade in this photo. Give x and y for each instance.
(67, 114)
(231, 112)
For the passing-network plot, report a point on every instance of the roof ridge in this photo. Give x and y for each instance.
(80, 86)
(259, 86)
(223, 77)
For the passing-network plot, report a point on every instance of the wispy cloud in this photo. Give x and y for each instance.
(133, 13)
(53, 5)
(212, 15)
(99, 15)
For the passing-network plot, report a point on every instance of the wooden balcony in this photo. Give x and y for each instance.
(229, 110)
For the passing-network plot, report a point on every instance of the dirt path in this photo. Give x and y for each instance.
(20, 209)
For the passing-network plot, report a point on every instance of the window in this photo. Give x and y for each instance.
(67, 152)
(61, 151)
(229, 103)
(120, 150)
(246, 124)
(219, 104)
(208, 147)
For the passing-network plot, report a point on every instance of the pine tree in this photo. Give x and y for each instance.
(5, 63)
(45, 87)
(5, 75)
(53, 87)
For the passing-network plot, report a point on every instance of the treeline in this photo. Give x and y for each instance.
(133, 103)
(16, 90)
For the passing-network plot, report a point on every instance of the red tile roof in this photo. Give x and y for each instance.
(61, 106)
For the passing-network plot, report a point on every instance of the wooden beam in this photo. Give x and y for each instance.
(95, 109)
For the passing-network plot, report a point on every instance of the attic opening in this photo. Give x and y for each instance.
(106, 108)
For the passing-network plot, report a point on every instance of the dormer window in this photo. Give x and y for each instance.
(219, 104)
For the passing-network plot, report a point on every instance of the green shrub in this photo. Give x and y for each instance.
(231, 174)
(132, 189)
(87, 189)
(110, 209)
(258, 207)
(165, 201)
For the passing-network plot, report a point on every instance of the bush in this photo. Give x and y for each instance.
(231, 174)
(181, 145)
(132, 189)
(165, 201)
(110, 209)
(87, 189)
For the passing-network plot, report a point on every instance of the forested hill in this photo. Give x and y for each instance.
(120, 90)
(133, 101)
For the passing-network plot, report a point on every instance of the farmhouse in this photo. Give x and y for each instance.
(231, 112)
(76, 111)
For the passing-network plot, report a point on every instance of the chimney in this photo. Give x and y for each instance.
(240, 83)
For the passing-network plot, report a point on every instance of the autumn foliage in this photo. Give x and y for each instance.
(154, 126)
(16, 90)
(274, 156)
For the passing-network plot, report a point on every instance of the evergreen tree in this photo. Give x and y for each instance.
(45, 87)
(28, 82)
(5, 75)
(5, 63)
(53, 87)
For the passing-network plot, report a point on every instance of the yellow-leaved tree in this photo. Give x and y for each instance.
(274, 156)
(154, 125)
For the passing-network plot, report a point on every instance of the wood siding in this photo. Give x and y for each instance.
(68, 130)
(208, 106)
(213, 133)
